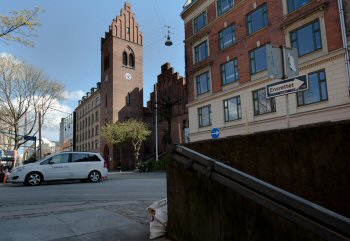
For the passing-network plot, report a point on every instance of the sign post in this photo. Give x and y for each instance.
(283, 63)
(215, 133)
(287, 86)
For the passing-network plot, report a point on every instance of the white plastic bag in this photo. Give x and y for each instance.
(158, 217)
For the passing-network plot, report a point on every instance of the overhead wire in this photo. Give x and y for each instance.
(160, 18)
(59, 110)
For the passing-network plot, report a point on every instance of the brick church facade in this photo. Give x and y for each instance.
(121, 81)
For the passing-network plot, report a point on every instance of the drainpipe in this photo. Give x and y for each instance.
(345, 42)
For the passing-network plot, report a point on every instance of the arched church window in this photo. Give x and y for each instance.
(125, 58)
(131, 60)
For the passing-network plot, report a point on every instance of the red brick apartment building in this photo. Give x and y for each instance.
(172, 110)
(226, 64)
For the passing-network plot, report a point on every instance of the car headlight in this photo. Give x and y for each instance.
(17, 169)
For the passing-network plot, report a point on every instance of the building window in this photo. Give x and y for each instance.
(258, 60)
(97, 115)
(262, 104)
(97, 101)
(203, 83)
(317, 91)
(131, 60)
(92, 132)
(204, 116)
(295, 4)
(227, 37)
(307, 39)
(224, 6)
(125, 58)
(257, 19)
(128, 99)
(200, 22)
(232, 109)
(97, 130)
(201, 52)
(97, 144)
(229, 72)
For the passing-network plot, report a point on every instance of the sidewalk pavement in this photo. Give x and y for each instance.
(98, 225)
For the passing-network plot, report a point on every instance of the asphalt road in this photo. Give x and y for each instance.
(113, 209)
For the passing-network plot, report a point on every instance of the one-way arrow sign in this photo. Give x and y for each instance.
(287, 86)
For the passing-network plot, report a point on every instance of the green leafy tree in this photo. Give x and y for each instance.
(19, 26)
(130, 131)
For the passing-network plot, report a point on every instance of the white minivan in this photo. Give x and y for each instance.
(61, 166)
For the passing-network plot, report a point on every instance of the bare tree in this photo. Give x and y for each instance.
(165, 111)
(19, 26)
(24, 91)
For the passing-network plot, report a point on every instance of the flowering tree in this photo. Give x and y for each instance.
(19, 25)
(130, 131)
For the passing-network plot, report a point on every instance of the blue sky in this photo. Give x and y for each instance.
(68, 44)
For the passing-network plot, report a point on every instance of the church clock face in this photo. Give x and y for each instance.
(128, 76)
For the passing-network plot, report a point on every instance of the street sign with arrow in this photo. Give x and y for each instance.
(215, 133)
(287, 86)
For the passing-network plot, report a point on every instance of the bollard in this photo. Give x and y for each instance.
(5, 179)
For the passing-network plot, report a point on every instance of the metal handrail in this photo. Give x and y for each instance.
(324, 222)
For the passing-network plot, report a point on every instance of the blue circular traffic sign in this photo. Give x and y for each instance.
(215, 133)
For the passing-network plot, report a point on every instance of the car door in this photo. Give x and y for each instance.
(80, 165)
(58, 167)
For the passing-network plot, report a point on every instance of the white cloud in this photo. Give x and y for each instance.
(54, 115)
(74, 95)
(10, 57)
(50, 134)
(4, 55)
(52, 120)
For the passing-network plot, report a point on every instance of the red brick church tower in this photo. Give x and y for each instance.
(121, 81)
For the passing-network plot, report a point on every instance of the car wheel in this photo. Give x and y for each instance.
(94, 176)
(34, 179)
